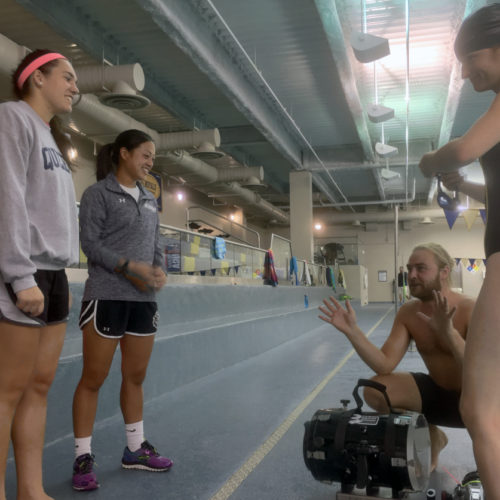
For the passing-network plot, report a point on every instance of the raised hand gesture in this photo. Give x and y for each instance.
(342, 319)
(441, 320)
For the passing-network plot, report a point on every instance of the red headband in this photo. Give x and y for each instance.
(34, 65)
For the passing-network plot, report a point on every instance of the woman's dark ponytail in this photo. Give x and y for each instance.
(105, 163)
(62, 139)
(109, 155)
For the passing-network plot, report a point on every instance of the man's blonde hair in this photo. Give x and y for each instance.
(442, 257)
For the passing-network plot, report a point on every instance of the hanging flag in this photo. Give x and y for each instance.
(341, 279)
(457, 260)
(482, 211)
(469, 216)
(484, 262)
(472, 262)
(451, 216)
(269, 276)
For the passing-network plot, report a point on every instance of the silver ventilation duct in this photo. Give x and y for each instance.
(219, 182)
(117, 86)
(102, 123)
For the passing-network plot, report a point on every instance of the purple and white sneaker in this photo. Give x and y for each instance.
(145, 458)
(84, 478)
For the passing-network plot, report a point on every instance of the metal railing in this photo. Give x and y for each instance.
(190, 253)
(227, 227)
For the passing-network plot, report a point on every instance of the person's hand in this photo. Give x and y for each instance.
(142, 275)
(452, 180)
(160, 278)
(426, 165)
(342, 319)
(441, 321)
(31, 301)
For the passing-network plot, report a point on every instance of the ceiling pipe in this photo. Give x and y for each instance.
(408, 215)
(248, 197)
(208, 179)
(240, 174)
(104, 77)
(188, 140)
(179, 163)
(117, 86)
(194, 171)
(100, 122)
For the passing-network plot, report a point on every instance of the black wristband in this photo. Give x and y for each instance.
(123, 268)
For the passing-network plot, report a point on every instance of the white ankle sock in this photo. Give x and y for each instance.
(82, 446)
(135, 435)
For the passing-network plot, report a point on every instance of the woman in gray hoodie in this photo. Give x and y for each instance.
(39, 238)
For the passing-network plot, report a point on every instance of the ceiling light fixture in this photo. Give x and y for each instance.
(426, 220)
(368, 48)
(384, 150)
(388, 174)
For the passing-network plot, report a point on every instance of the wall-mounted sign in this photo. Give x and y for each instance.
(152, 183)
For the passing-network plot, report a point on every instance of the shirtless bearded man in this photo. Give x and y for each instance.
(436, 319)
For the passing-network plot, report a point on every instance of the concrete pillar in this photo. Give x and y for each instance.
(301, 215)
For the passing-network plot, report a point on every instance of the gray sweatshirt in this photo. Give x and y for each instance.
(114, 226)
(38, 218)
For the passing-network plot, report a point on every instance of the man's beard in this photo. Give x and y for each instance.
(423, 291)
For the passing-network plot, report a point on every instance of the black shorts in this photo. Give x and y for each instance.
(55, 289)
(439, 406)
(115, 318)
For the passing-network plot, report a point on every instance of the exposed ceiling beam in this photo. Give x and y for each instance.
(198, 30)
(453, 97)
(240, 136)
(333, 30)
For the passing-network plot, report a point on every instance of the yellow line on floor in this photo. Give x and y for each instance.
(233, 483)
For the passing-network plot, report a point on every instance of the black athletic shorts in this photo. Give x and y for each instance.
(115, 318)
(55, 289)
(439, 406)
